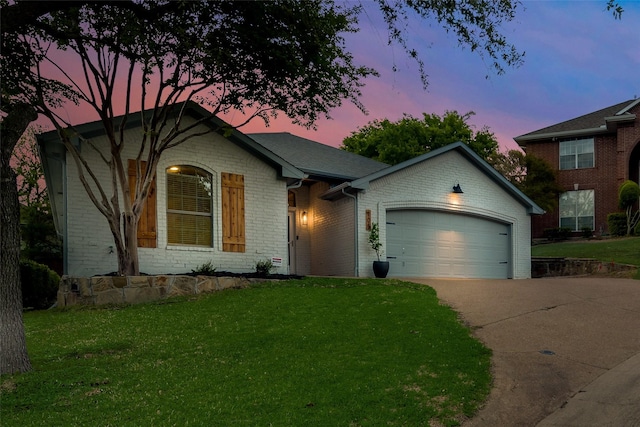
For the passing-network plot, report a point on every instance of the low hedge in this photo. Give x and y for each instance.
(617, 222)
(558, 233)
(39, 285)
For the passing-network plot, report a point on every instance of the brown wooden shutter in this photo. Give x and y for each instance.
(147, 223)
(233, 238)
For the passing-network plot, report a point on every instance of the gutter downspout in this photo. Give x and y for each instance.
(355, 231)
(294, 186)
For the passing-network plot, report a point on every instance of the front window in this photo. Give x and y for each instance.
(576, 154)
(189, 202)
(577, 209)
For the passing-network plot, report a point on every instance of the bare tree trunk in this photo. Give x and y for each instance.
(128, 264)
(13, 346)
(132, 267)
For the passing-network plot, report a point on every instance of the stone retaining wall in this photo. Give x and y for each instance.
(552, 266)
(101, 290)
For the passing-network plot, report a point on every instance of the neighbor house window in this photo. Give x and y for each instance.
(576, 210)
(576, 154)
(189, 206)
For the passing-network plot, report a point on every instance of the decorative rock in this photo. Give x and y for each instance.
(206, 284)
(183, 285)
(101, 290)
(139, 282)
(138, 295)
(162, 281)
(232, 282)
(70, 299)
(101, 283)
(64, 284)
(110, 296)
(557, 266)
(82, 286)
(61, 296)
(119, 281)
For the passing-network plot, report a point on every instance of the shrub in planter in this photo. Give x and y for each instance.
(206, 269)
(617, 222)
(39, 285)
(263, 268)
(380, 268)
(557, 233)
(587, 232)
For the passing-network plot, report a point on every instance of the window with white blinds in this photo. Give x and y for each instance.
(576, 154)
(189, 206)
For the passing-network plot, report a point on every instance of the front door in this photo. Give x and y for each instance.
(291, 239)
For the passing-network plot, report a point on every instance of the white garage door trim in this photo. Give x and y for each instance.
(429, 243)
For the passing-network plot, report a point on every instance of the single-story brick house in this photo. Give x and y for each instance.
(303, 202)
(593, 155)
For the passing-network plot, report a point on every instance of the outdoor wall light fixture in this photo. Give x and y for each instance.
(303, 218)
(457, 189)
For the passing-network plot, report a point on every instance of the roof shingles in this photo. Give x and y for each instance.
(588, 121)
(317, 159)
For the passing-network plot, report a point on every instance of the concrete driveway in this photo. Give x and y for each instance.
(551, 340)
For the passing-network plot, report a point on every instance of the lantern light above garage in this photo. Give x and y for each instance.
(457, 189)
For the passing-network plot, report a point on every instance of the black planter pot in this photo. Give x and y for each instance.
(380, 269)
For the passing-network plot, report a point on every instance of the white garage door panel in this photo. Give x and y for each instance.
(438, 244)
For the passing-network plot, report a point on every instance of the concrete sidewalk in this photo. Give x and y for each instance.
(613, 399)
(559, 345)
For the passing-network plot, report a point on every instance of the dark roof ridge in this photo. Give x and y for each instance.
(316, 158)
(591, 120)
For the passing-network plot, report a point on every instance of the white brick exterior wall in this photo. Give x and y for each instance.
(89, 240)
(325, 246)
(332, 241)
(428, 185)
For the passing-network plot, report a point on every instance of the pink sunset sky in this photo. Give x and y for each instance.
(578, 59)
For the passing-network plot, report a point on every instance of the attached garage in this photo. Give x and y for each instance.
(446, 214)
(428, 243)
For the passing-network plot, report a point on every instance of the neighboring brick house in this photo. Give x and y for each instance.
(237, 199)
(593, 154)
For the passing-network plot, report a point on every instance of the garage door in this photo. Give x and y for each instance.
(436, 244)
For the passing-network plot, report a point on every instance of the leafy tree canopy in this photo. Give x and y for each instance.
(395, 142)
(255, 58)
(532, 175)
(26, 163)
(40, 241)
(628, 194)
(258, 58)
(628, 197)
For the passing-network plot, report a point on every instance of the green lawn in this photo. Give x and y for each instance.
(313, 352)
(619, 250)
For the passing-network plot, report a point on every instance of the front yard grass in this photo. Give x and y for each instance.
(317, 352)
(624, 250)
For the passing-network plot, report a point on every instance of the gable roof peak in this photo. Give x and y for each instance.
(590, 123)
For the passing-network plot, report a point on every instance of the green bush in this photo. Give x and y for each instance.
(558, 233)
(263, 268)
(587, 232)
(206, 269)
(39, 285)
(617, 222)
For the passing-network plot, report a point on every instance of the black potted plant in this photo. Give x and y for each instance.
(380, 268)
